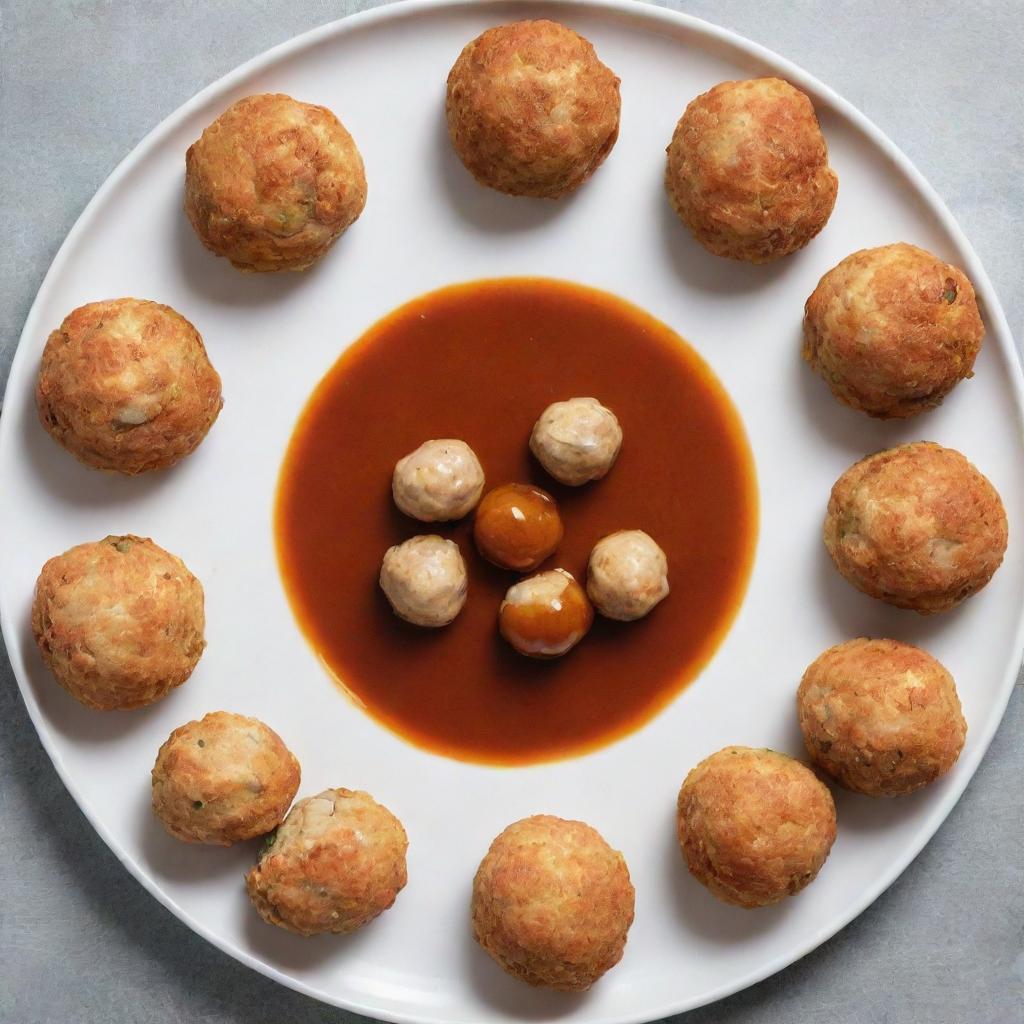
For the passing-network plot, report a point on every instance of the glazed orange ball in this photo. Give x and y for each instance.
(517, 526)
(546, 615)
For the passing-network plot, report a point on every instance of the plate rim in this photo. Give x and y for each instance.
(644, 12)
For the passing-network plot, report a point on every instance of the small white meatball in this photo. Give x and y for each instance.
(438, 482)
(424, 578)
(627, 575)
(576, 441)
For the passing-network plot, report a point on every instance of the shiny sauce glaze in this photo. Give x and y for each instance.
(480, 361)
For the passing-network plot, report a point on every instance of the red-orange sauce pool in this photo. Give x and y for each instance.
(480, 362)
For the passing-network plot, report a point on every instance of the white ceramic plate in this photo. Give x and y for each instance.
(427, 224)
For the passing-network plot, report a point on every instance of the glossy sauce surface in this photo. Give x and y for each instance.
(480, 362)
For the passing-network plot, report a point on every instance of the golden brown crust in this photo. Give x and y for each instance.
(335, 863)
(755, 826)
(917, 526)
(748, 170)
(223, 779)
(119, 621)
(126, 385)
(880, 717)
(273, 183)
(553, 903)
(892, 330)
(531, 110)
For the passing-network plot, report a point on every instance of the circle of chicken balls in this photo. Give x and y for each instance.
(552, 903)
(337, 861)
(880, 717)
(531, 110)
(892, 330)
(755, 826)
(748, 170)
(119, 622)
(223, 779)
(916, 526)
(126, 385)
(438, 482)
(576, 441)
(273, 183)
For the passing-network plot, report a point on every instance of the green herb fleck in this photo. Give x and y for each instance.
(197, 805)
(949, 295)
(200, 743)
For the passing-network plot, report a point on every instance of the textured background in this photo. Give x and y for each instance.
(80, 83)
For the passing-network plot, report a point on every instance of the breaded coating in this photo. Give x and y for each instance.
(223, 779)
(273, 183)
(892, 330)
(755, 826)
(336, 862)
(552, 903)
(531, 110)
(118, 621)
(880, 717)
(916, 526)
(126, 385)
(748, 170)
(440, 481)
(577, 440)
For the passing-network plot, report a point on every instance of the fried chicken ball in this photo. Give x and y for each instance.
(748, 170)
(545, 616)
(755, 826)
(880, 717)
(335, 863)
(273, 183)
(627, 575)
(223, 779)
(531, 110)
(438, 482)
(892, 330)
(517, 526)
(552, 903)
(916, 526)
(424, 579)
(576, 441)
(119, 621)
(126, 385)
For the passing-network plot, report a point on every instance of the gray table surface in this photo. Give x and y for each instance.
(80, 83)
